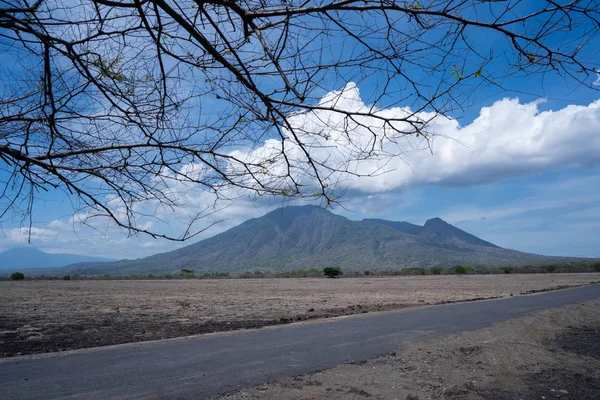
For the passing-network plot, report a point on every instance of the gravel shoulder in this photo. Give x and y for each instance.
(48, 316)
(551, 354)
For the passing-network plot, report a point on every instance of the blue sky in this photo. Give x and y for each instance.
(519, 168)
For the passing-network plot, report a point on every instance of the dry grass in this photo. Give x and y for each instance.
(37, 316)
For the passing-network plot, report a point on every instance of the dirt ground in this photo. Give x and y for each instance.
(553, 354)
(46, 316)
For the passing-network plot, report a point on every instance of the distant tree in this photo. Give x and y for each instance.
(187, 271)
(299, 273)
(481, 270)
(507, 270)
(332, 272)
(436, 270)
(113, 102)
(314, 272)
(596, 267)
(459, 269)
(367, 273)
(17, 276)
(66, 278)
(548, 268)
(259, 274)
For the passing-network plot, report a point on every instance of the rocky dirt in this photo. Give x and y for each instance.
(46, 316)
(553, 354)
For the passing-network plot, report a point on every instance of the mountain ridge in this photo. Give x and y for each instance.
(30, 257)
(313, 237)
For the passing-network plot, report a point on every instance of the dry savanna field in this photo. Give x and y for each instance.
(44, 316)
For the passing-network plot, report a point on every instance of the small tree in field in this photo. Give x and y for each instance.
(436, 270)
(332, 272)
(17, 276)
(507, 270)
(459, 269)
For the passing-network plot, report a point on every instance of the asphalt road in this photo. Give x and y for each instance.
(204, 366)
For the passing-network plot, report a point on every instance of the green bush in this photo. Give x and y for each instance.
(459, 269)
(436, 270)
(367, 272)
(187, 271)
(299, 273)
(548, 268)
(314, 272)
(332, 272)
(67, 278)
(17, 276)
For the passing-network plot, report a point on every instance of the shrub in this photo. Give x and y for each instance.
(459, 269)
(67, 278)
(314, 272)
(17, 276)
(548, 268)
(596, 267)
(367, 272)
(413, 271)
(507, 270)
(300, 273)
(332, 272)
(435, 270)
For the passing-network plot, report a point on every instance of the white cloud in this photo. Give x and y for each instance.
(23, 235)
(58, 224)
(473, 213)
(508, 139)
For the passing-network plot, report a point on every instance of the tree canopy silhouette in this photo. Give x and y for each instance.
(116, 102)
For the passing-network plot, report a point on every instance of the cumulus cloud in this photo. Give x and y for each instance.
(23, 235)
(507, 139)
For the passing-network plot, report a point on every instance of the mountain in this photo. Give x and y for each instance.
(308, 236)
(436, 230)
(29, 257)
(401, 226)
